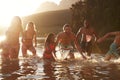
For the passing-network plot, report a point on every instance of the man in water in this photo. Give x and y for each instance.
(114, 47)
(66, 39)
(86, 35)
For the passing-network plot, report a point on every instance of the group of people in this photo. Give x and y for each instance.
(11, 45)
(67, 40)
(83, 41)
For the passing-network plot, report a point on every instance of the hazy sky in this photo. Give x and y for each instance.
(10, 8)
(48, 6)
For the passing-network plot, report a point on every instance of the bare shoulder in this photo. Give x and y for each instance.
(81, 30)
(60, 34)
(72, 35)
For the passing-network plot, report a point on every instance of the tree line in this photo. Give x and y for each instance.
(102, 14)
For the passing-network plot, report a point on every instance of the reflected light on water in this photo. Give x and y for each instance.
(61, 55)
(2, 38)
(117, 61)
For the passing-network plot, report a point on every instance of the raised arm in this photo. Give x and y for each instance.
(106, 36)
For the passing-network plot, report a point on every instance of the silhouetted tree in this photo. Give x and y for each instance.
(100, 13)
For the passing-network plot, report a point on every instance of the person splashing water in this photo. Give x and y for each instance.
(86, 35)
(67, 39)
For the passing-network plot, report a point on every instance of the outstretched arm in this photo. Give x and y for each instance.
(106, 36)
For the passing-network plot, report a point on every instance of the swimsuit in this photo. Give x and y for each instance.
(86, 45)
(113, 50)
(48, 52)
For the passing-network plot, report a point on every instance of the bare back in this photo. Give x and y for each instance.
(13, 36)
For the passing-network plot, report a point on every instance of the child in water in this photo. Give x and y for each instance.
(49, 47)
(27, 40)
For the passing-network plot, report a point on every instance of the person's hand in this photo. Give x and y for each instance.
(84, 57)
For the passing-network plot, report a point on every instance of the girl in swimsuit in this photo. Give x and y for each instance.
(49, 47)
(29, 36)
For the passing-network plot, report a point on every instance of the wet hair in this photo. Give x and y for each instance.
(66, 25)
(28, 25)
(16, 23)
(49, 36)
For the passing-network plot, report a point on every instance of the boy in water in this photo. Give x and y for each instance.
(114, 47)
(87, 36)
(66, 38)
(27, 40)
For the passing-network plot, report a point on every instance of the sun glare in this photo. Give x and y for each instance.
(10, 8)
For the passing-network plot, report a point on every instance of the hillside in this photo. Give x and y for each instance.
(51, 21)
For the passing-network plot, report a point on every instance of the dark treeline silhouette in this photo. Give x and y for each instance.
(103, 15)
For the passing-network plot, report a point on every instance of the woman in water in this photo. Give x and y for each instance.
(29, 36)
(49, 47)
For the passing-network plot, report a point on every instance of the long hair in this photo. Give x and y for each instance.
(16, 23)
(48, 38)
(29, 25)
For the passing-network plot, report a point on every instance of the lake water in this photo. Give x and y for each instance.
(34, 68)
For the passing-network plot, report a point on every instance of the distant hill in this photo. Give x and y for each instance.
(51, 21)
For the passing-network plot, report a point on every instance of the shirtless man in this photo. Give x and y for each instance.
(114, 47)
(86, 35)
(66, 38)
(29, 36)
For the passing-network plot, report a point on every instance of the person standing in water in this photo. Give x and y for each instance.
(11, 44)
(66, 39)
(29, 36)
(114, 49)
(49, 47)
(86, 35)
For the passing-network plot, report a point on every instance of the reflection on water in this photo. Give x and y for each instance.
(8, 68)
(35, 68)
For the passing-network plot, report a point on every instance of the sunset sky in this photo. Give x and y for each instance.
(10, 8)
